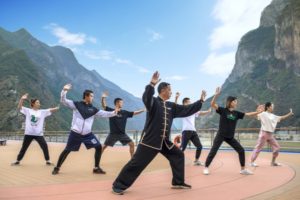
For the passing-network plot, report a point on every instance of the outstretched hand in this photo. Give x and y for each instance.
(104, 94)
(260, 108)
(177, 95)
(203, 95)
(291, 112)
(155, 78)
(218, 91)
(25, 96)
(67, 87)
(117, 109)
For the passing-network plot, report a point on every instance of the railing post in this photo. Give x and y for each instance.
(136, 137)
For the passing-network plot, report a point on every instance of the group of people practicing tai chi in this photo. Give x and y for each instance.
(155, 137)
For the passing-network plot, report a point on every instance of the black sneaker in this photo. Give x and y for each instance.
(15, 163)
(55, 171)
(98, 170)
(49, 163)
(182, 186)
(117, 191)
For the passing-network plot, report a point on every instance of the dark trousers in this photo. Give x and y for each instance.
(64, 154)
(142, 157)
(191, 136)
(27, 141)
(219, 139)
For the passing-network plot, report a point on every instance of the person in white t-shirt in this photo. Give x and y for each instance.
(34, 125)
(189, 132)
(268, 124)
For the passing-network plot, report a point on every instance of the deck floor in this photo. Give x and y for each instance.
(33, 179)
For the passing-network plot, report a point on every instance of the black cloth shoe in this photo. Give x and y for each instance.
(181, 186)
(49, 163)
(98, 170)
(55, 171)
(15, 163)
(117, 191)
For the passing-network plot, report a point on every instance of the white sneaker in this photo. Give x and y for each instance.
(253, 164)
(246, 172)
(197, 163)
(206, 171)
(275, 164)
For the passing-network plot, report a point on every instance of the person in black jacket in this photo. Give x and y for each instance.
(156, 137)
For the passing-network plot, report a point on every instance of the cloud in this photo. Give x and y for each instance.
(235, 18)
(131, 64)
(154, 36)
(143, 70)
(67, 38)
(123, 61)
(99, 55)
(176, 78)
(218, 64)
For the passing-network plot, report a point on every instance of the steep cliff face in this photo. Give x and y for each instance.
(267, 65)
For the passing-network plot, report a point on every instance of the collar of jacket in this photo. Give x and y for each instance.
(85, 110)
(159, 98)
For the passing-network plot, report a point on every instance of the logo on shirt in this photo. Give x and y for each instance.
(119, 115)
(33, 120)
(231, 117)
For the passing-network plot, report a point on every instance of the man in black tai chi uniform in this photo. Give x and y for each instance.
(156, 137)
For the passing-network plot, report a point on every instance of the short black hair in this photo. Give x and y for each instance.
(87, 93)
(185, 100)
(268, 105)
(162, 86)
(229, 100)
(32, 101)
(117, 100)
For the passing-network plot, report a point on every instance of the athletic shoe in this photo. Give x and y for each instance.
(117, 191)
(15, 163)
(246, 172)
(181, 186)
(48, 162)
(197, 163)
(55, 171)
(253, 164)
(275, 164)
(98, 170)
(206, 171)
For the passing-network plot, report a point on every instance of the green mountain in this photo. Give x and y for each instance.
(267, 66)
(28, 65)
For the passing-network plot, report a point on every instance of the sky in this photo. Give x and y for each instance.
(191, 43)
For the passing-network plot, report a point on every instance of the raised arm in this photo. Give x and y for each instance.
(102, 113)
(103, 99)
(259, 110)
(287, 115)
(176, 97)
(52, 110)
(185, 111)
(63, 97)
(205, 112)
(20, 105)
(149, 91)
(213, 103)
(139, 111)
